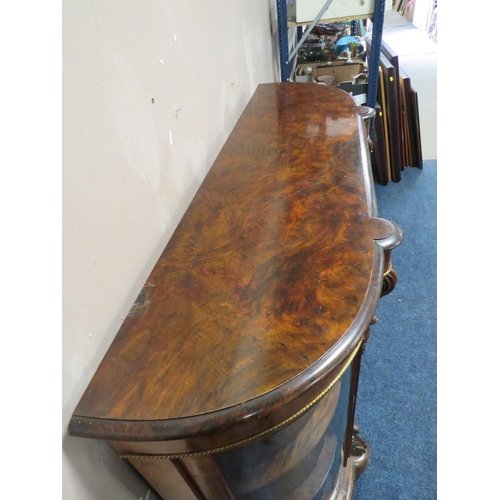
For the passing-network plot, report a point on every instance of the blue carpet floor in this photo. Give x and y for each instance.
(396, 408)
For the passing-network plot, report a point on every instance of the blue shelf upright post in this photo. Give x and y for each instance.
(300, 32)
(286, 57)
(374, 63)
(283, 39)
(376, 45)
(354, 28)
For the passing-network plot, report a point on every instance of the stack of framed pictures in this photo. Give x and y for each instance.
(396, 131)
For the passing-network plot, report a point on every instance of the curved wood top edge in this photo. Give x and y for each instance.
(366, 112)
(206, 423)
(392, 240)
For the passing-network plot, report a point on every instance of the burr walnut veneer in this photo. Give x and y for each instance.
(235, 374)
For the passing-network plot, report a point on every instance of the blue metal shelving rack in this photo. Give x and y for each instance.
(287, 58)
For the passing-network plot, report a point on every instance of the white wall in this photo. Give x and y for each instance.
(131, 167)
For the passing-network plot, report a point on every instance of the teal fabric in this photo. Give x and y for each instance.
(343, 44)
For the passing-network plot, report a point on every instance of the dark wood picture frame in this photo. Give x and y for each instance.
(392, 112)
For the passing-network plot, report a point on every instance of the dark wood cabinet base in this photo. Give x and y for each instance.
(270, 475)
(345, 482)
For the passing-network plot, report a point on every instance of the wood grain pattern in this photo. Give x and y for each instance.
(229, 378)
(231, 427)
(271, 276)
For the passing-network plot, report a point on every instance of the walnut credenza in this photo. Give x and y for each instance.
(234, 376)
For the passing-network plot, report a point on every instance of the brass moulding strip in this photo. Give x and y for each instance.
(388, 270)
(319, 397)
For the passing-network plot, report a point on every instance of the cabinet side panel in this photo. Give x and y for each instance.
(167, 479)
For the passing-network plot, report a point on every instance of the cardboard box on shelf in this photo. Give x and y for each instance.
(340, 69)
(341, 73)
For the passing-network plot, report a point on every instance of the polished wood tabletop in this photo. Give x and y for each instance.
(272, 264)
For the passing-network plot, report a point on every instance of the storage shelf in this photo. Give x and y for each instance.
(285, 25)
(293, 24)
